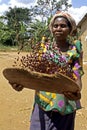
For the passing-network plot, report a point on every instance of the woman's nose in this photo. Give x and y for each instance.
(58, 28)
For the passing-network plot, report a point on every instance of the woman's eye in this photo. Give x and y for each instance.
(62, 26)
(55, 26)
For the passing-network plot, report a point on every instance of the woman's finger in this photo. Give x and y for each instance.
(17, 87)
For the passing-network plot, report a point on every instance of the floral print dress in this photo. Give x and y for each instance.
(54, 101)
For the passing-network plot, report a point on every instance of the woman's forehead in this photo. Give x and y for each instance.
(61, 19)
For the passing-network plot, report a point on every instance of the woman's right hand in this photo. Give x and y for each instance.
(16, 87)
(73, 96)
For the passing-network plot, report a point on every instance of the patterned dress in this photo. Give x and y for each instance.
(50, 103)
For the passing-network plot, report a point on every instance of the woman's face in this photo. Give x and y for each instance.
(60, 28)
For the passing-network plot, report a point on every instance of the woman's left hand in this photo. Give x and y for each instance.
(16, 87)
(73, 96)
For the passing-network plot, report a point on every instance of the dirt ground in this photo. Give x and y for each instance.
(15, 107)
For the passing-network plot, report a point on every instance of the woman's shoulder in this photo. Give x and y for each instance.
(76, 45)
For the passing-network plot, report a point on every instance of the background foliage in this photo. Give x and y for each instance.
(21, 26)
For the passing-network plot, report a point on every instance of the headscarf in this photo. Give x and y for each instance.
(68, 17)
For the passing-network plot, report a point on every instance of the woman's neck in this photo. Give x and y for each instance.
(63, 45)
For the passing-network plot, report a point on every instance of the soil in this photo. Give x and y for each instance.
(16, 107)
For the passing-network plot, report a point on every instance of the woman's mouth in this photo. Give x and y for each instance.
(58, 33)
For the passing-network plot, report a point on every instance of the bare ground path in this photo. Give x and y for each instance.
(15, 107)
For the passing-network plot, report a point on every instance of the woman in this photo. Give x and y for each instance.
(53, 111)
(45, 116)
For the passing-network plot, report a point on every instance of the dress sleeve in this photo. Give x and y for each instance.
(78, 63)
(78, 45)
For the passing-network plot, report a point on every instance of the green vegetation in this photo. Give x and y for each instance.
(5, 48)
(21, 27)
